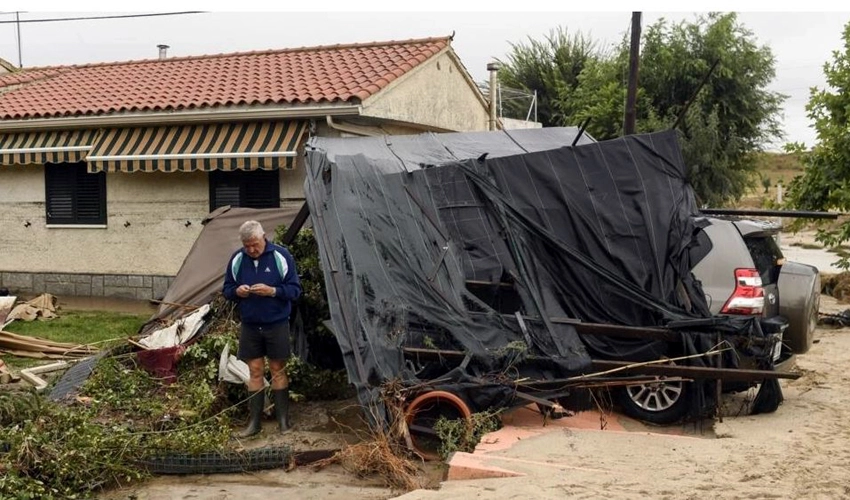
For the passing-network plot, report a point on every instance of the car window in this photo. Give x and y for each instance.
(766, 254)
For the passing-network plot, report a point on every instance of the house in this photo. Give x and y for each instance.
(107, 170)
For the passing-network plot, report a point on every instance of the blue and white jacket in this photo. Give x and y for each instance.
(275, 267)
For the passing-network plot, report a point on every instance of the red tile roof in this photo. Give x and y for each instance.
(334, 73)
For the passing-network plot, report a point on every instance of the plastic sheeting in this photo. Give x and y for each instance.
(408, 226)
(179, 332)
(234, 370)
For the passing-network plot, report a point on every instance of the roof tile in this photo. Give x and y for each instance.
(337, 73)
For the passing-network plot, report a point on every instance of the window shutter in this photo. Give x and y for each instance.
(226, 194)
(255, 189)
(73, 195)
(261, 189)
(60, 181)
(91, 197)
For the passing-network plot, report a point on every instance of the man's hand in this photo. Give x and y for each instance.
(262, 289)
(243, 291)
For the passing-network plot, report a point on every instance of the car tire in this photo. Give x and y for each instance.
(799, 296)
(661, 402)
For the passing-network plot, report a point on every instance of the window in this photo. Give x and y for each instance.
(73, 195)
(255, 189)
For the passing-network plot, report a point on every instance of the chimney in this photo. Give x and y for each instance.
(162, 49)
(493, 68)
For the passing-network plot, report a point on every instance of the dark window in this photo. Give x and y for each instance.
(256, 189)
(73, 195)
(766, 256)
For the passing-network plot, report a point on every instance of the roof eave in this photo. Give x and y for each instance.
(182, 117)
(468, 78)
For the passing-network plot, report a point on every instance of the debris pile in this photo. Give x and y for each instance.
(510, 267)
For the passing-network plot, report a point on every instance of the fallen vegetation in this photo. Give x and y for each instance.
(121, 415)
(464, 435)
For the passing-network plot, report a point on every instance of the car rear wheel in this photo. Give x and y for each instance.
(658, 402)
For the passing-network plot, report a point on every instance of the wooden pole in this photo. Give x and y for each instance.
(631, 91)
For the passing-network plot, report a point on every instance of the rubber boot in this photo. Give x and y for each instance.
(281, 408)
(255, 404)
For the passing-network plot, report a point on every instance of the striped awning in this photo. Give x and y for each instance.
(38, 148)
(187, 148)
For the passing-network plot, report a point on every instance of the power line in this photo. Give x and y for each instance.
(124, 16)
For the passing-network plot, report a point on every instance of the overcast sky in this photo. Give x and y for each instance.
(801, 41)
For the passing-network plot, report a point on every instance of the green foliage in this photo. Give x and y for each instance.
(203, 356)
(552, 68)
(825, 183)
(63, 453)
(734, 114)
(123, 415)
(513, 352)
(307, 381)
(313, 303)
(463, 435)
(731, 119)
(599, 97)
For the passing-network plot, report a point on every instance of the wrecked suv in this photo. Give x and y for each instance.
(742, 272)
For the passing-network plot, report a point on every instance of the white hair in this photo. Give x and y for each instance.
(251, 229)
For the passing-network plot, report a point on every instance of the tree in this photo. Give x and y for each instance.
(734, 114)
(728, 123)
(825, 182)
(551, 67)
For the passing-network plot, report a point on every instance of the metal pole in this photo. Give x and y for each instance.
(18, 25)
(631, 91)
(493, 68)
(499, 94)
(535, 105)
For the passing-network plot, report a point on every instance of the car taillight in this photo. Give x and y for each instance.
(748, 297)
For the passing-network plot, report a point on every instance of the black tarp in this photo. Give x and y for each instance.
(598, 232)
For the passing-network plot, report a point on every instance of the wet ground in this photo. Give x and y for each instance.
(316, 426)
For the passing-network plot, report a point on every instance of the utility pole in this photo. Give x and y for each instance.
(631, 91)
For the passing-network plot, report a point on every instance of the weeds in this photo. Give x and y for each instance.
(464, 435)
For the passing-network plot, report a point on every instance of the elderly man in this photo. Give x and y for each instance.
(261, 278)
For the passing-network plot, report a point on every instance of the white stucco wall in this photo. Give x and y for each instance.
(156, 205)
(436, 94)
(292, 181)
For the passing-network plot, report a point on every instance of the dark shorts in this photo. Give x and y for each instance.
(258, 341)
